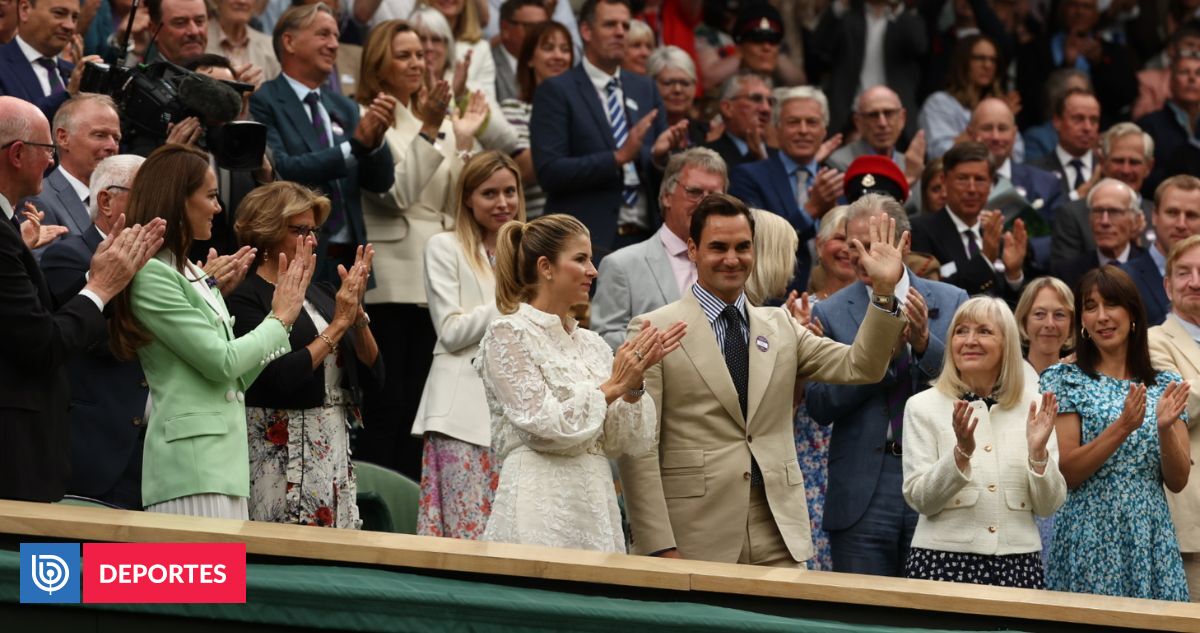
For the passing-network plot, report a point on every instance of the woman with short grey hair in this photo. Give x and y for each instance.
(674, 72)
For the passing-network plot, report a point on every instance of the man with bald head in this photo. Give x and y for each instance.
(34, 460)
(880, 118)
(993, 124)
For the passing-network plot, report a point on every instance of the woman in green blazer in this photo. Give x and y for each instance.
(172, 316)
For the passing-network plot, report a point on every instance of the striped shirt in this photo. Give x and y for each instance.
(713, 307)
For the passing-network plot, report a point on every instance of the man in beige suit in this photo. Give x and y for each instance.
(1174, 347)
(724, 484)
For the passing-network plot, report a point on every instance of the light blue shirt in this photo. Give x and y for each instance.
(713, 307)
(791, 167)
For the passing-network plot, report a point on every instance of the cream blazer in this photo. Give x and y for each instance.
(1171, 349)
(693, 490)
(462, 303)
(989, 509)
(419, 206)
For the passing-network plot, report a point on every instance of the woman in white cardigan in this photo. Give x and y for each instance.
(458, 472)
(428, 142)
(979, 458)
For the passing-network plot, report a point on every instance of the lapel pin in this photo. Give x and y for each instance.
(933, 313)
(630, 104)
(762, 344)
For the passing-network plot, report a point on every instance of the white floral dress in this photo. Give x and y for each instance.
(553, 432)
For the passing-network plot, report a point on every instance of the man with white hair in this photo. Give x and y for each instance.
(792, 183)
(1112, 208)
(108, 396)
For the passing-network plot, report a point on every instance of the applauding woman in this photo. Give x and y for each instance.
(172, 317)
(1121, 436)
(301, 408)
(979, 460)
(560, 402)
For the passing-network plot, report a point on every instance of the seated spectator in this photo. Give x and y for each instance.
(745, 108)
(975, 74)
(932, 193)
(1072, 42)
(1175, 122)
(639, 43)
(672, 70)
(967, 239)
(86, 131)
(646, 276)
(1077, 123)
(31, 64)
(1176, 217)
(965, 533)
(517, 17)
(231, 36)
(1128, 155)
(467, 31)
(757, 32)
(1112, 208)
(880, 119)
(108, 396)
(1173, 349)
(793, 183)
(181, 27)
(546, 53)
(302, 405)
(1154, 84)
(458, 470)
(1041, 139)
(1116, 467)
(308, 148)
(8, 21)
(996, 20)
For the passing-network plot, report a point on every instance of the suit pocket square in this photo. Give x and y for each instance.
(933, 313)
(631, 105)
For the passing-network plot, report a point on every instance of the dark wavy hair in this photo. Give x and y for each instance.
(1116, 287)
(534, 37)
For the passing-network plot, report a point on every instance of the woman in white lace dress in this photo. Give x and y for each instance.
(561, 402)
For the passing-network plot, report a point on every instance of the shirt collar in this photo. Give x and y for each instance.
(1180, 116)
(81, 189)
(600, 78)
(300, 89)
(30, 52)
(961, 226)
(675, 246)
(1192, 329)
(713, 307)
(1065, 158)
(6, 207)
(1160, 260)
(545, 320)
(218, 35)
(1121, 258)
(1005, 169)
(791, 167)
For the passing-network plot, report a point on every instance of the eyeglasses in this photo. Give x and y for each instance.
(432, 39)
(304, 231)
(50, 147)
(887, 113)
(695, 194)
(758, 99)
(676, 83)
(1112, 212)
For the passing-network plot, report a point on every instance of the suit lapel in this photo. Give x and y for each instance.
(297, 112)
(591, 101)
(23, 71)
(700, 345)
(762, 360)
(660, 269)
(69, 201)
(1183, 342)
(778, 178)
(856, 304)
(91, 237)
(949, 234)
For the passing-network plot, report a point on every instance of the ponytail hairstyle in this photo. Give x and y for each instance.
(470, 235)
(519, 247)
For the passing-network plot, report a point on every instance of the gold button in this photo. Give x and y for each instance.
(958, 502)
(746, 475)
(992, 529)
(988, 448)
(991, 487)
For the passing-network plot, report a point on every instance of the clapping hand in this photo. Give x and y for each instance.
(1016, 243)
(349, 308)
(883, 261)
(1038, 426)
(964, 427)
(1171, 404)
(991, 224)
(229, 270)
(34, 233)
(122, 254)
(292, 281)
(1133, 414)
(645, 349)
(828, 147)
(916, 332)
(801, 310)
(467, 124)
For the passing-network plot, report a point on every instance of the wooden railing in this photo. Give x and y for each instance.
(571, 566)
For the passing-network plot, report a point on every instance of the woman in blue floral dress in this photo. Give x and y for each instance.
(1122, 436)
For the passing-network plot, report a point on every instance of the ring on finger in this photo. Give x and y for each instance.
(638, 353)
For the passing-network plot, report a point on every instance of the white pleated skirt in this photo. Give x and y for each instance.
(212, 505)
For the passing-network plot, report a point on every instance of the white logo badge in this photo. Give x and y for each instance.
(50, 573)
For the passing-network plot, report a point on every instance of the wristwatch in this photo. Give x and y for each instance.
(885, 302)
(637, 393)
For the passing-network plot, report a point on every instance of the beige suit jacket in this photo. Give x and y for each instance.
(692, 492)
(1171, 349)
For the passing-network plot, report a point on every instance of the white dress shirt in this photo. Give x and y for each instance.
(81, 188)
(962, 227)
(1118, 260)
(39, 71)
(1065, 158)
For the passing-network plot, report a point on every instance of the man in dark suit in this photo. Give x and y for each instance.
(1113, 208)
(1176, 218)
(745, 108)
(968, 240)
(1076, 119)
(43, 334)
(869, 523)
(1174, 124)
(600, 137)
(515, 17)
(317, 137)
(108, 396)
(87, 130)
(792, 183)
(30, 66)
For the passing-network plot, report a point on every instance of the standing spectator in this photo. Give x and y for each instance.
(343, 78)
(977, 511)
(1175, 123)
(1154, 82)
(675, 74)
(600, 136)
(31, 65)
(302, 405)
(975, 74)
(1112, 217)
(182, 28)
(1121, 436)
(1176, 217)
(317, 137)
(459, 473)
(1044, 316)
(868, 523)
(561, 12)
(231, 36)
(880, 119)
(516, 19)
(1041, 139)
(418, 206)
(745, 109)
(639, 43)
(993, 124)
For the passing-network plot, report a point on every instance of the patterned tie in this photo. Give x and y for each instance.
(56, 85)
(972, 245)
(318, 122)
(802, 177)
(1079, 179)
(620, 131)
(337, 215)
(737, 359)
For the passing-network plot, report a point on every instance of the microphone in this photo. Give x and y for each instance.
(215, 102)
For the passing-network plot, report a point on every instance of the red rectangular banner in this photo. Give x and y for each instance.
(164, 572)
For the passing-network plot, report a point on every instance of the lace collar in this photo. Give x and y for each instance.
(545, 320)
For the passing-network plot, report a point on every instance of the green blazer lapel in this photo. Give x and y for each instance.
(700, 345)
(763, 348)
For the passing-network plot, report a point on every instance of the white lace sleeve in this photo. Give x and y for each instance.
(563, 419)
(630, 428)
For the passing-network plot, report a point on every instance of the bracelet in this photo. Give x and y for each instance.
(637, 393)
(286, 326)
(328, 341)
(1033, 463)
(963, 454)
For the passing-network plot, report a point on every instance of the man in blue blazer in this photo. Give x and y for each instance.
(801, 119)
(609, 185)
(30, 67)
(869, 524)
(1176, 217)
(335, 152)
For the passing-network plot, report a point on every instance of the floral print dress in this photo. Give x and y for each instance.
(1114, 534)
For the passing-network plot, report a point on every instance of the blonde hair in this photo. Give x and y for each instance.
(466, 228)
(263, 213)
(1012, 366)
(1181, 247)
(1025, 305)
(518, 249)
(775, 244)
(468, 28)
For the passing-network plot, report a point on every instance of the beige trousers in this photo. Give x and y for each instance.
(764, 543)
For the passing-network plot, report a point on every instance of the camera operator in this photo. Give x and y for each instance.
(31, 67)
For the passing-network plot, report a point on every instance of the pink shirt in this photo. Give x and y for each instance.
(684, 269)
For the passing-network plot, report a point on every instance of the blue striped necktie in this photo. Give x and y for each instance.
(620, 130)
